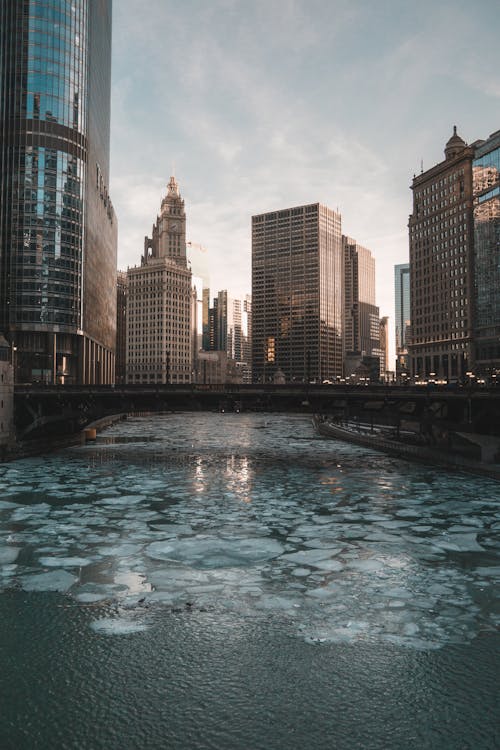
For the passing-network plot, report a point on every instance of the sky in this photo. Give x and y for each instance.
(258, 105)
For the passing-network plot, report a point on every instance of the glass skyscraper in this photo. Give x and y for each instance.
(402, 315)
(402, 303)
(486, 187)
(57, 225)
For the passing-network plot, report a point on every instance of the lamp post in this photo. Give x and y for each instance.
(14, 350)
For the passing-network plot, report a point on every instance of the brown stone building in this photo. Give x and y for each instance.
(441, 265)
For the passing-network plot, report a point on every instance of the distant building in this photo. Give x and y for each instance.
(384, 345)
(121, 326)
(441, 262)
(402, 317)
(197, 315)
(232, 331)
(160, 301)
(486, 188)
(58, 230)
(361, 315)
(297, 280)
(199, 262)
(205, 340)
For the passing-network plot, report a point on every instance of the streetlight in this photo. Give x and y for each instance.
(14, 350)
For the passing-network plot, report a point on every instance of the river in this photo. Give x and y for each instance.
(233, 581)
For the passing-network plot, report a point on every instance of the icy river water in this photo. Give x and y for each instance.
(235, 582)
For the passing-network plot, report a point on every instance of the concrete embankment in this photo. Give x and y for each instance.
(430, 455)
(48, 444)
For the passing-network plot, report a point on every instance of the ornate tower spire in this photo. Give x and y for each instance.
(173, 188)
(455, 145)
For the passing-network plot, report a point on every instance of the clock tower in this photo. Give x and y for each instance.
(160, 301)
(168, 238)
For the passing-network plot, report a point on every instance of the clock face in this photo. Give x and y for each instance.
(174, 226)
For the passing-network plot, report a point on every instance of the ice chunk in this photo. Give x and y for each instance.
(8, 555)
(309, 556)
(324, 592)
(216, 552)
(366, 565)
(122, 500)
(57, 580)
(301, 572)
(64, 562)
(117, 626)
(121, 550)
(459, 543)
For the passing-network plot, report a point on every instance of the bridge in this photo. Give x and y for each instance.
(53, 411)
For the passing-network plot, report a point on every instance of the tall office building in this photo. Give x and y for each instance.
(297, 280)
(384, 346)
(160, 301)
(233, 331)
(199, 262)
(402, 316)
(441, 263)
(361, 315)
(121, 327)
(57, 225)
(402, 304)
(486, 187)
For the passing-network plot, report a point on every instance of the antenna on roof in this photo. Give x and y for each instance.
(421, 166)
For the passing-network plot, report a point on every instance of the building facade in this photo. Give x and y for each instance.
(384, 346)
(486, 187)
(232, 332)
(58, 230)
(441, 265)
(160, 301)
(402, 317)
(121, 327)
(297, 280)
(361, 315)
(199, 263)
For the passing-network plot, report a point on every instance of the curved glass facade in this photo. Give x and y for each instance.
(52, 148)
(56, 52)
(486, 181)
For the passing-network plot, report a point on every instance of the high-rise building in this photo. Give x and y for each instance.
(57, 225)
(402, 316)
(121, 327)
(361, 315)
(486, 187)
(160, 301)
(198, 261)
(297, 280)
(233, 331)
(402, 304)
(441, 265)
(384, 346)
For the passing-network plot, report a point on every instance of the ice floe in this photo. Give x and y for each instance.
(410, 558)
